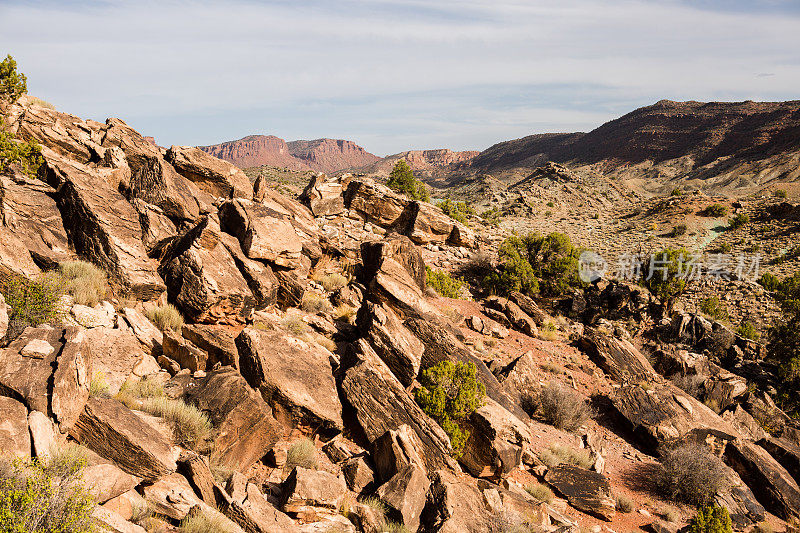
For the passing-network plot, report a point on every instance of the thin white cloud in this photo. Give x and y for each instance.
(164, 63)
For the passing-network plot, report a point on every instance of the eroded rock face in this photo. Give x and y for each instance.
(294, 377)
(394, 344)
(323, 195)
(15, 440)
(405, 494)
(245, 427)
(116, 353)
(214, 176)
(585, 490)
(454, 507)
(312, 488)
(113, 431)
(496, 441)
(617, 357)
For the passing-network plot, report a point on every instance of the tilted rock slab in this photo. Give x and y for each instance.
(585, 490)
(214, 176)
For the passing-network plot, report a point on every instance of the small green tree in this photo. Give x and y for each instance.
(32, 302)
(664, 275)
(450, 392)
(458, 211)
(13, 84)
(402, 180)
(24, 154)
(711, 519)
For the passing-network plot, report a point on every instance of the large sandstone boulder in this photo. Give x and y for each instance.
(323, 195)
(263, 282)
(116, 353)
(216, 340)
(585, 490)
(245, 427)
(202, 278)
(15, 440)
(171, 496)
(454, 506)
(214, 176)
(404, 495)
(381, 403)
(394, 344)
(312, 488)
(395, 450)
(516, 317)
(263, 233)
(496, 442)
(294, 376)
(254, 513)
(48, 369)
(102, 226)
(376, 203)
(617, 357)
(113, 431)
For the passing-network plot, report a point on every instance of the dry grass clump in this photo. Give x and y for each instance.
(562, 408)
(303, 453)
(295, 324)
(205, 522)
(84, 281)
(41, 103)
(332, 282)
(548, 331)
(558, 454)
(540, 492)
(98, 387)
(165, 317)
(670, 514)
(692, 474)
(624, 504)
(314, 303)
(344, 312)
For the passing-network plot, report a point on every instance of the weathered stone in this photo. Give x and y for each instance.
(394, 344)
(777, 491)
(323, 195)
(786, 452)
(312, 488)
(305, 226)
(454, 507)
(255, 514)
(116, 353)
(202, 278)
(263, 233)
(15, 439)
(70, 386)
(529, 306)
(196, 470)
(212, 175)
(585, 490)
(245, 427)
(260, 278)
(404, 494)
(381, 403)
(496, 442)
(617, 357)
(43, 434)
(358, 474)
(4, 308)
(102, 225)
(105, 481)
(125, 504)
(520, 380)
(37, 348)
(171, 496)
(113, 431)
(428, 224)
(292, 375)
(395, 450)
(92, 317)
(376, 203)
(516, 317)
(184, 352)
(744, 423)
(147, 333)
(218, 341)
(113, 522)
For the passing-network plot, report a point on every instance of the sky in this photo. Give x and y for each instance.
(395, 75)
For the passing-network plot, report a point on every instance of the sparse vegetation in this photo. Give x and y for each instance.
(32, 301)
(678, 230)
(779, 193)
(715, 211)
(711, 519)
(784, 343)
(13, 84)
(749, 331)
(24, 155)
(540, 492)
(558, 454)
(84, 281)
(492, 216)
(295, 324)
(548, 331)
(663, 276)
(676, 192)
(444, 283)
(204, 521)
(98, 387)
(769, 281)
(315, 303)
(738, 221)
(344, 312)
(302, 453)
(562, 408)
(402, 180)
(714, 308)
(450, 392)
(458, 211)
(624, 504)
(165, 317)
(692, 474)
(38, 497)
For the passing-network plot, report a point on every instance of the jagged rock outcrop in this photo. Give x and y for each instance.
(585, 490)
(394, 344)
(212, 175)
(15, 440)
(496, 442)
(617, 357)
(454, 507)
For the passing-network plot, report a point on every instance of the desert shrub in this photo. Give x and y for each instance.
(534, 263)
(41, 103)
(13, 84)
(165, 317)
(394, 527)
(558, 454)
(458, 211)
(402, 180)
(492, 216)
(670, 514)
(548, 331)
(295, 324)
(315, 303)
(663, 276)
(190, 427)
(692, 474)
(25, 155)
(764, 527)
(444, 283)
(769, 281)
(32, 301)
(748, 330)
(562, 408)
(37, 499)
(98, 387)
(332, 282)
(678, 230)
(738, 221)
(783, 346)
(714, 308)
(205, 521)
(84, 281)
(711, 519)
(344, 312)
(302, 453)
(676, 192)
(715, 210)
(137, 390)
(624, 504)
(450, 392)
(779, 193)
(788, 255)
(540, 492)
(550, 204)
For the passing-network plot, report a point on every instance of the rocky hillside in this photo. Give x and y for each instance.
(323, 155)
(720, 142)
(285, 390)
(426, 164)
